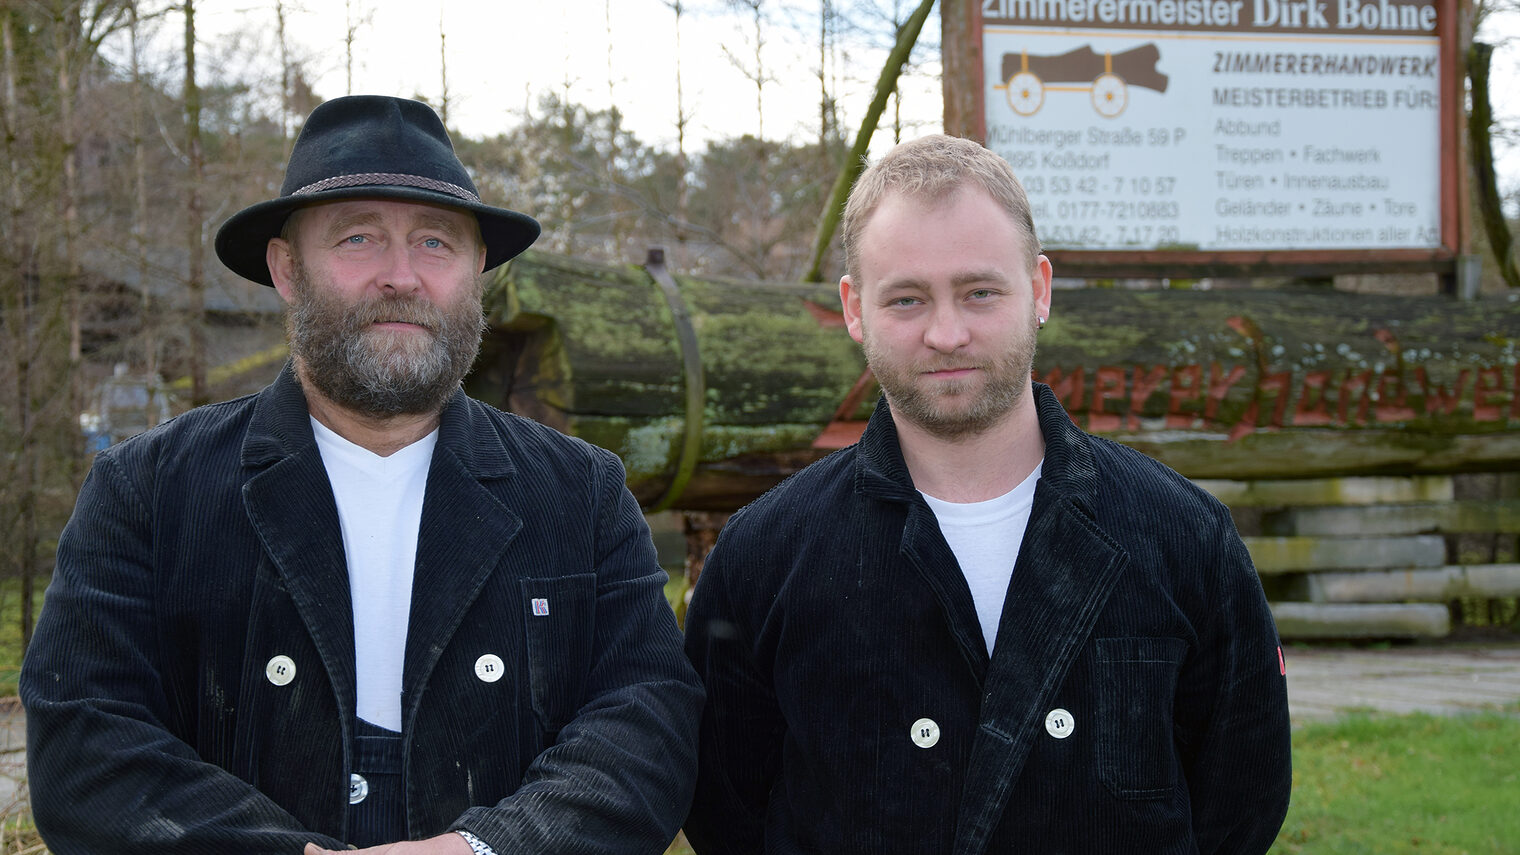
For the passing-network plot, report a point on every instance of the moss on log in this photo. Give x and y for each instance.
(1218, 384)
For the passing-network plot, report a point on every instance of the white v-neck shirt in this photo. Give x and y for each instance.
(380, 510)
(985, 537)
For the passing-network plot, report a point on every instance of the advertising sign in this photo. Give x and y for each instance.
(1222, 125)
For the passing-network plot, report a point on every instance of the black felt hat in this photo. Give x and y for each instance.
(370, 147)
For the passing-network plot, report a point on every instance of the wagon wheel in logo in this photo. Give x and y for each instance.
(1026, 93)
(1109, 94)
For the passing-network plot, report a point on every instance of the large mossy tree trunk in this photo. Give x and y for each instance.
(1218, 384)
(1480, 123)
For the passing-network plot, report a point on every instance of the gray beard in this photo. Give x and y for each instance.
(369, 372)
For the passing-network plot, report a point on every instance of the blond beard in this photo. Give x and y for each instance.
(943, 414)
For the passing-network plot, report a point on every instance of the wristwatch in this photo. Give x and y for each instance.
(478, 846)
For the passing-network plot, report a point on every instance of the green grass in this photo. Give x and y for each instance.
(1386, 785)
(10, 631)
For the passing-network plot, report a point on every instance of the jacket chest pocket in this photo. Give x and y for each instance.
(560, 622)
(1137, 684)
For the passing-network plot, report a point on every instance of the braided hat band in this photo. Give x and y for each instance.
(394, 178)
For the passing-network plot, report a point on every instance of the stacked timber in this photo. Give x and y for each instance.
(711, 390)
(1367, 557)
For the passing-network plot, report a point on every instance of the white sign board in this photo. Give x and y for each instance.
(1219, 125)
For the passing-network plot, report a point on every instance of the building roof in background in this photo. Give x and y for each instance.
(165, 280)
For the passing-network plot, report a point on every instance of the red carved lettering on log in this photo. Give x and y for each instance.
(1313, 410)
(1108, 386)
(1246, 327)
(1140, 389)
(1489, 385)
(1190, 390)
(1278, 384)
(1070, 389)
(1219, 387)
(1354, 388)
(1246, 425)
(1514, 395)
(1392, 406)
(1440, 401)
(1318, 398)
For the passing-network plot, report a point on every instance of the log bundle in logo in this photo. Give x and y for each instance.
(1107, 77)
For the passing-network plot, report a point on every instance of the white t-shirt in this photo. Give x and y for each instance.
(985, 537)
(380, 510)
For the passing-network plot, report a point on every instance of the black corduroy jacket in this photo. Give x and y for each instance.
(191, 684)
(1135, 701)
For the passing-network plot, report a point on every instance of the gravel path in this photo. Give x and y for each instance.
(1439, 679)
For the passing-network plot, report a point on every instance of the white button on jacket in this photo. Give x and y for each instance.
(280, 670)
(925, 733)
(1059, 723)
(489, 668)
(358, 788)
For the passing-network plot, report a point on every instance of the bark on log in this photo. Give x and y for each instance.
(1222, 384)
(1480, 121)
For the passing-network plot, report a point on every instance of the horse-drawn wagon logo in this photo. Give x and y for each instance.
(1107, 77)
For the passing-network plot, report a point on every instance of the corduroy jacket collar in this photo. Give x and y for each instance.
(1069, 471)
(281, 427)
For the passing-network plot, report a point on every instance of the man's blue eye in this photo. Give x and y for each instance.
(433, 243)
(354, 239)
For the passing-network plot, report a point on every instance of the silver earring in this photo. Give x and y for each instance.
(1042, 323)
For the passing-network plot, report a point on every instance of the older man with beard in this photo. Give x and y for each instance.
(360, 609)
(979, 630)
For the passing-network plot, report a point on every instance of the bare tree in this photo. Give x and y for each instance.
(19, 333)
(352, 20)
(49, 49)
(284, 44)
(443, 71)
(754, 69)
(683, 119)
(195, 237)
(140, 187)
(828, 34)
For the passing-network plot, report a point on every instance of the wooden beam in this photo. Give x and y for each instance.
(1465, 517)
(1438, 585)
(1330, 491)
(1274, 555)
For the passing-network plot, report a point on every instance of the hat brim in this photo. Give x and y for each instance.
(242, 242)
